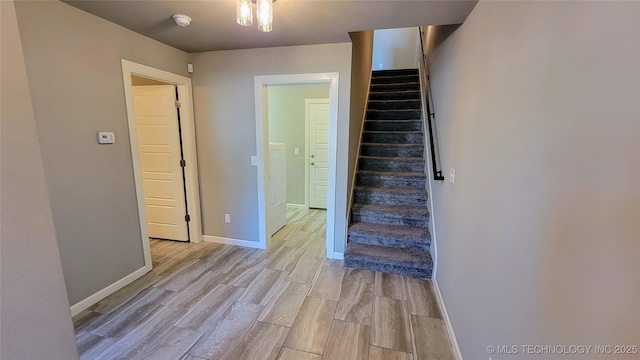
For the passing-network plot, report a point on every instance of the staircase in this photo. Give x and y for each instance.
(389, 216)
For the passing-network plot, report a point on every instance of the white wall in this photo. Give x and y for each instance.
(286, 116)
(34, 309)
(538, 109)
(226, 129)
(395, 48)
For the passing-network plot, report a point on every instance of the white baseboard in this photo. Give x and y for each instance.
(229, 241)
(447, 322)
(297, 206)
(86, 303)
(338, 256)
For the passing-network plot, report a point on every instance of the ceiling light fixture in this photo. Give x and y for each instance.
(264, 13)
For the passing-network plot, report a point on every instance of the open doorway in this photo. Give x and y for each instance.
(298, 136)
(162, 137)
(308, 142)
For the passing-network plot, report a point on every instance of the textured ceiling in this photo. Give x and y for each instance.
(296, 22)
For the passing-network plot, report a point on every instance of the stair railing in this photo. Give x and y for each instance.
(430, 113)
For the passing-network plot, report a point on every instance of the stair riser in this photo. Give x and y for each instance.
(400, 95)
(392, 138)
(374, 266)
(389, 219)
(374, 180)
(375, 198)
(395, 87)
(390, 242)
(393, 114)
(395, 79)
(392, 151)
(394, 105)
(390, 165)
(396, 72)
(382, 125)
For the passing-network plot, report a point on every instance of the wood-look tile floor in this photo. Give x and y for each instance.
(212, 301)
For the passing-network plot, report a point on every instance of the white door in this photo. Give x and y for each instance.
(317, 111)
(159, 148)
(277, 187)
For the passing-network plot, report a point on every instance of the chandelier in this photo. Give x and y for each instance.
(264, 13)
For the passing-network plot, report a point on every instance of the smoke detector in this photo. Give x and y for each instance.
(182, 20)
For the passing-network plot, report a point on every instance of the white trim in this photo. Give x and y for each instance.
(338, 256)
(82, 305)
(429, 167)
(447, 322)
(261, 83)
(306, 144)
(297, 206)
(183, 84)
(229, 241)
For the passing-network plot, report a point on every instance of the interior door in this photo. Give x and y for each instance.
(317, 111)
(277, 187)
(160, 155)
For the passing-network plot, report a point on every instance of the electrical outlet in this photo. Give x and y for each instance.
(227, 218)
(452, 175)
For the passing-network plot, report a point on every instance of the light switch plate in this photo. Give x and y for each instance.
(106, 137)
(296, 151)
(254, 160)
(452, 175)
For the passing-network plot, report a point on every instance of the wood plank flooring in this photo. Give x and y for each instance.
(212, 301)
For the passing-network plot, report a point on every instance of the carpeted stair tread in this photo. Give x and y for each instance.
(385, 214)
(393, 125)
(390, 195)
(399, 232)
(394, 95)
(390, 163)
(408, 262)
(395, 174)
(415, 179)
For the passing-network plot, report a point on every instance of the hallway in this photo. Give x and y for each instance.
(212, 301)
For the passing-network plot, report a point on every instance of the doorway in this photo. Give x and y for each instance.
(262, 85)
(159, 132)
(163, 154)
(292, 154)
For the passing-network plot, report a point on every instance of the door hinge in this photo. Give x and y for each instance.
(187, 217)
(178, 104)
(183, 163)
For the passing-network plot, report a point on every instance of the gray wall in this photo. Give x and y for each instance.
(224, 103)
(362, 52)
(74, 70)
(34, 312)
(286, 114)
(538, 109)
(395, 48)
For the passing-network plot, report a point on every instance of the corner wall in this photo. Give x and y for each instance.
(73, 64)
(362, 53)
(539, 238)
(34, 309)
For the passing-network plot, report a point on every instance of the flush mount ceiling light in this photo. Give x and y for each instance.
(182, 20)
(264, 13)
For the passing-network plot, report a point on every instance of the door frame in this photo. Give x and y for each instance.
(262, 142)
(185, 94)
(306, 144)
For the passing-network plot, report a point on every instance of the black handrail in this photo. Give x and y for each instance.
(431, 117)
